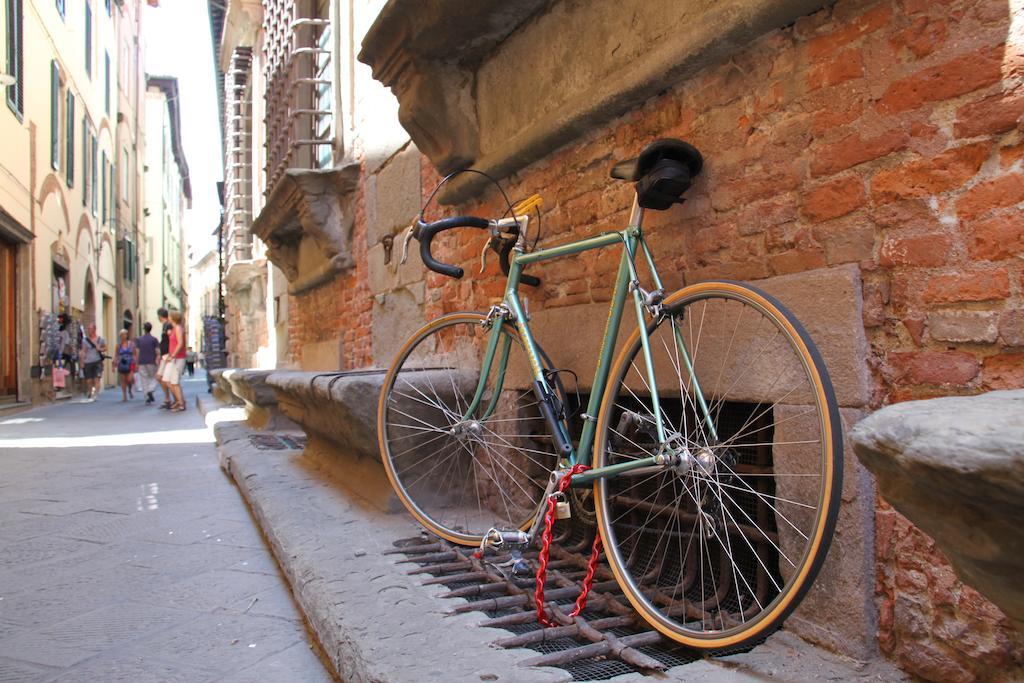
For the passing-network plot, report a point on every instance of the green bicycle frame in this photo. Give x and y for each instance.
(626, 282)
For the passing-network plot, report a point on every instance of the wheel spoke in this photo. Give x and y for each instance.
(699, 541)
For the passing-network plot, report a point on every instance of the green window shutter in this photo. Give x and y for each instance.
(113, 190)
(88, 39)
(85, 162)
(69, 161)
(103, 190)
(92, 168)
(54, 115)
(15, 56)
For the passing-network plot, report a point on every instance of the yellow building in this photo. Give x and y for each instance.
(70, 200)
(167, 193)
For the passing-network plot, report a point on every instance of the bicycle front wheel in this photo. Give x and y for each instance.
(718, 548)
(460, 473)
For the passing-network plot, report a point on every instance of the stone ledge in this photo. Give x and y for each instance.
(260, 399)
(222, 389)
(955, 468)
(338, 412)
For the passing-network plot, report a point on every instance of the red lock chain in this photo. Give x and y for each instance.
(545, 552)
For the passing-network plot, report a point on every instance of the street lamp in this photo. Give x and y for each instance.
(6, 80)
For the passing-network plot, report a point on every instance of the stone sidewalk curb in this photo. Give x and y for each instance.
(377, 624)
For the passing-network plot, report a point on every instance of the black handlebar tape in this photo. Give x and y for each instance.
(425, 232)
(506, 265)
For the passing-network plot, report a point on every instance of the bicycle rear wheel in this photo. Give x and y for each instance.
(718, 549)
(460, 477)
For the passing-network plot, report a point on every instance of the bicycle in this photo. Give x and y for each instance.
(714, 435)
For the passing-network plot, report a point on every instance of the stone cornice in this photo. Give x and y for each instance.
(310, 204)
(498, 87)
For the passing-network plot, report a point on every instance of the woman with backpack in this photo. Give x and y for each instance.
(125, 360)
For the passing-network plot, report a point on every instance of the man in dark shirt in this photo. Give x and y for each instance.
(165, 348)
(146, 354)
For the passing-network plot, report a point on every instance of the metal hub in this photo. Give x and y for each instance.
(471, 430)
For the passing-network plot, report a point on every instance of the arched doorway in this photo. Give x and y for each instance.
(89, 301)
(128, 323)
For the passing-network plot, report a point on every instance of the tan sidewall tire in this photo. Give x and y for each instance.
(767, 621)
(389, 378)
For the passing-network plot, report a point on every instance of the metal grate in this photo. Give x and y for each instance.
(277, 442)
(609, 638)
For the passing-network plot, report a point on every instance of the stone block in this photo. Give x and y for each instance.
(395, 194)
(839, 611)
(955, 468)
(396, 315)
(325, 355)
(828, 302)
(964, 326)
(384, 277)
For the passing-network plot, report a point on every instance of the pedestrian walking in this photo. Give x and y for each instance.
(147, 349)
(190, 362)
(94, 350)
(125, 361)
(165, 347)
(175, 365)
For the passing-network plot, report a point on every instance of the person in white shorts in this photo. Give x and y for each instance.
(175, 365)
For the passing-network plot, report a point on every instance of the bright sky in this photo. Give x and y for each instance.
(177, 36)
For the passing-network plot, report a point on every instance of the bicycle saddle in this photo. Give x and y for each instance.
(662, 172)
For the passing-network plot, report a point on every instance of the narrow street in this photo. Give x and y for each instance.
(126, 554)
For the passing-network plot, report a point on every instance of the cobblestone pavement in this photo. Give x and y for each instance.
(126, 554)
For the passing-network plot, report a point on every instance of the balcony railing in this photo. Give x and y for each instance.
(238, 170)
(299, 81)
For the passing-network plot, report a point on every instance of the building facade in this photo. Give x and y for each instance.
(862, 156)
(70, 203)
(203, 295)
(168, 192)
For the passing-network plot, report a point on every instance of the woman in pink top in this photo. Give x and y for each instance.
(175, 360)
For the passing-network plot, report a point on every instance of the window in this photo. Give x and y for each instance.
(323, 93)
(130, 259)
(85, 162)
(54, 115)
(103, 190)
(112, 184)
(93, 170)
(106, 82)
(107, 4)
(15, 57)
(60, 8)
(88, 39)
(125, 177)
(69, 119)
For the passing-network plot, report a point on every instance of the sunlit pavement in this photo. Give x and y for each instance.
(126, 554)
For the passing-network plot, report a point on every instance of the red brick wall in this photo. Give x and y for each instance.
(340, 309)
(884, 134)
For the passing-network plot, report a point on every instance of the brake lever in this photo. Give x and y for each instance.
(405, 242)
(483, 255)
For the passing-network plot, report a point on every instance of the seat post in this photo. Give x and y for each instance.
(636, 214)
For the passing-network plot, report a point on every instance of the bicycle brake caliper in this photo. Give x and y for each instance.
(497, 312)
